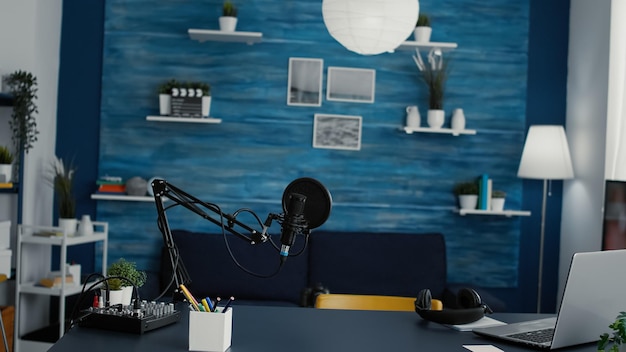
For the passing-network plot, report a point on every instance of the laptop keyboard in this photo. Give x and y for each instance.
(539, 336)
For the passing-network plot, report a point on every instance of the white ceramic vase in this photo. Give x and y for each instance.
(458, 120)
(413, 118)
(85, 227)
(468, 201)
(165, 104)
(228, 23)
(497, 204)
(435, 118)
(422, 34)
(68, 226)
(206, 105)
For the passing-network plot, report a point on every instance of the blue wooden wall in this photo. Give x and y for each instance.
(395, 183)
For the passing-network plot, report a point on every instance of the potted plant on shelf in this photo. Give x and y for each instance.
(467, 193)
(228, 20)
(6, 164)
(165, 96)
(434, 75)
(128, 270)
(203, 90)
(62, 181)
(617, 339)
(23, 86)
(497, 200)
(422, 30)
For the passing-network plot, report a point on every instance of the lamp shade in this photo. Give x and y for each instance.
(370, 27)
(546, 154)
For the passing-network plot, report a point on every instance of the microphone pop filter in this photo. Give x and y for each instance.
(318, 200)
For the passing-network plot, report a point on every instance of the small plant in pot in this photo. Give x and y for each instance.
(422, 30)
(616, 340)
(6, 167)
(228, 20)
(23, 86)
(62, 180)
(165, 96)
(203, 90)
(434, 75)
(128, 270)
(467, 193)
(497, 200)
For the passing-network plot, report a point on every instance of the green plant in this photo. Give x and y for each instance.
(434, 75)
(126, 269)
(617, 337)
(23, 87)
(229, 9)
(6, 157)
(62, 181)
(423, 20)
(466, 188)
(166, 88)
(498, 194)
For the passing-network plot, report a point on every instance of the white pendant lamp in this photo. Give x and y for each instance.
(370, 27)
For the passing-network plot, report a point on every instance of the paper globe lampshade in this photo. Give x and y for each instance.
(370, 27)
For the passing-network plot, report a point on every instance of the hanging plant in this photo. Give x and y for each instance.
(23, 87)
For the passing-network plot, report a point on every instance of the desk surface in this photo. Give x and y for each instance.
(276, 329)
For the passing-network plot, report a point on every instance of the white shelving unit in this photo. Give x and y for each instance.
(412, 45)
(184, 119)
(33, 252)
(122, 197)
(411, 130)
(203, 35)
(507, 213)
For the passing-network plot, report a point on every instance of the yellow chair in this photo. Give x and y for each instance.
(364, 302)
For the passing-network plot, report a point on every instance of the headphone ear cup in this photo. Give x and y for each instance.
(468, 298)
(423, 300)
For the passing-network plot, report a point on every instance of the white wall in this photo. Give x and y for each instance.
(595, 91)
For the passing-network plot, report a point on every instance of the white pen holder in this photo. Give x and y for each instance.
(210, 331)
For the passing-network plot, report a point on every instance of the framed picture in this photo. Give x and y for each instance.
(351, 84)
(304, 85)
(337, 132)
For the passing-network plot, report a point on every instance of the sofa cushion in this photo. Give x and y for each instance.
(378, 263)
(214, 273)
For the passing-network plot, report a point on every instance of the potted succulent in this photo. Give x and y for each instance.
(497, 200)
(617, 339)
(6, 161)
(62, 181)
(203, 90)
(422, 30)
(23, 86)
(228, 20)
(128, 270)
(467, 193)
(434, 76)
(165, 96)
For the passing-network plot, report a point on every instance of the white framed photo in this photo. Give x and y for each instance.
(304, 82)
(351, 84)
(337, 132)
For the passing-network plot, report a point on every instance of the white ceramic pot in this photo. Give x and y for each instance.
(68, 226)
(6, 172)
(497, 204)
(422, 34)
(206, 105)
(115, 297)
(165, 104)
(228, 23)
(468, 201)
(435, 118)
(458, 120)
(127, 295)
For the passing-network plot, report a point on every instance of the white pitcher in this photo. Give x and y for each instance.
(412, 116)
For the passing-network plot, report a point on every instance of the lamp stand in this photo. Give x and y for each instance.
(541, 239)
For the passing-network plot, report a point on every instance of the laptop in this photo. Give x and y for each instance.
(595, 293)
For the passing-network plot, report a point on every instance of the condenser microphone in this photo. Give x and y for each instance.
(293, 224)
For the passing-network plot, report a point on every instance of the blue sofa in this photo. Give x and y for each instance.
(339, 262)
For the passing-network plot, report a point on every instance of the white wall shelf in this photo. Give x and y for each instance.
(411, 130)
(122, 197)
(507, 213)
(184, 119)
(412, 45)
(203, 35)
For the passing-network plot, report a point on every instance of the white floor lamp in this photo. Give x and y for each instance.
(545, 157)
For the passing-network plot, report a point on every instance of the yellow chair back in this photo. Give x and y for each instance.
(364, 302)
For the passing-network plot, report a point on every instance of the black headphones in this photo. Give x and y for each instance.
(471, 308)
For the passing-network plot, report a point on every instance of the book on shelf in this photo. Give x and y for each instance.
(110, 188)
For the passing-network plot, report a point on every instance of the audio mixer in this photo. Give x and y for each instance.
(151, 315)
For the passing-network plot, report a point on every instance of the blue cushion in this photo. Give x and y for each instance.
(214, 273)
(378, 263)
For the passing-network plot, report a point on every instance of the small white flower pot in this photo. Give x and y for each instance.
(422, 34)
(497, 204)
(206, 105)
(468, 201)
(228, 23)
(6, 172)
(68, 226)
(165, 104)
(435, 118)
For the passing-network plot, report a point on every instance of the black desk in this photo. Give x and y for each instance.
(276, 329)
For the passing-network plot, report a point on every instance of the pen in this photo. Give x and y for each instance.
(228, 303)
(189, 297)
(217, 301)
(205, 305)
(210, 303)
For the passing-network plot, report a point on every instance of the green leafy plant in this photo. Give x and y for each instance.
(6, 157)
(23, 87)
(423, 20)
(434, 75)
(166, 88)
(498, 194)
(466, 188)
(229, 9)
(62, 181)
(617, 337)
(126, 269)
